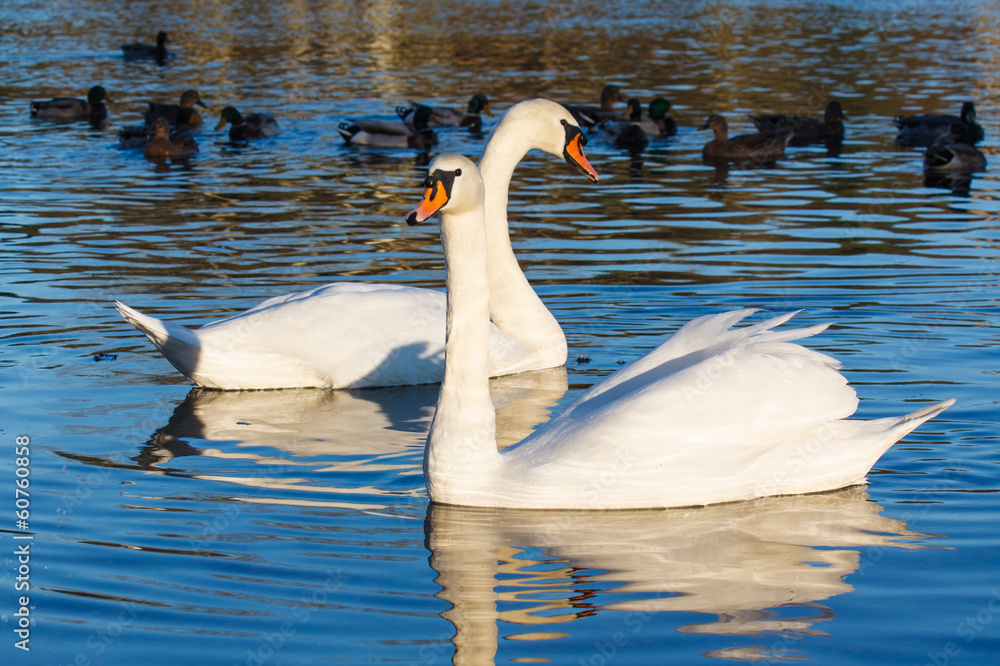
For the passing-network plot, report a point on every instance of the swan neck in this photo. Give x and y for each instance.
(462, 440)
(514, 306)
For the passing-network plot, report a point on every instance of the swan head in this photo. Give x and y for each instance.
(550, 127)
(452, 182)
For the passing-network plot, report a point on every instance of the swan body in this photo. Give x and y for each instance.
(347, 335)
(715, 414)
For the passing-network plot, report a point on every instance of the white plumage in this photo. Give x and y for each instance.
(351, 335)
(714, 414)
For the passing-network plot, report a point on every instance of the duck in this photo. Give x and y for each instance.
(658, 123)
(759, 148)
(181, 115)
(139, 51)
(69, 109)
(954, 152)
(391, 134)
(132, 137)
(628, 134)
(806, 130)
(924, 130)
(714, 414)
(162, 146)
(252, 126)
(590, 116)
(446, 116)
(355, 335)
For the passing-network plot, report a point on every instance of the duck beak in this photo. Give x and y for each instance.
(435, 197)
(222, 123)
(487, 110)
(573, 153)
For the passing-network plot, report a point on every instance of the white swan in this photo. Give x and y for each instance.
(712, 415)
(351, 335)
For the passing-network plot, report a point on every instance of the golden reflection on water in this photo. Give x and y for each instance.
(735, 561)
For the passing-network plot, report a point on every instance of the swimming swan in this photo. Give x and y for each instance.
(350, 335)
(714, 414)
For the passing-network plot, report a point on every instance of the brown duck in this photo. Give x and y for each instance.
(161, 146)
(761, 147)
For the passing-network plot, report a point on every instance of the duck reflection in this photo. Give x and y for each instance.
(734, 561)
(959, 183)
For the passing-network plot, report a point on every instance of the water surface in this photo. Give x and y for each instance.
(293, 527)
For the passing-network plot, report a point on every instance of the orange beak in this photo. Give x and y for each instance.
(434, 199)
(573, 154)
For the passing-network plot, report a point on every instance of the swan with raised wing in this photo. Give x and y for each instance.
(351, 335)
(714, 414)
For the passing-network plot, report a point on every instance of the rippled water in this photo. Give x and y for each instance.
(292, 527)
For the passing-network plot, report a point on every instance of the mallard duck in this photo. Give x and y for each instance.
(161, 145)
(70, 109)
(627, 134)
(589, 116)
(954, 152)
(807, 130)
(252, 126)
(389, 134)
(144, 51)
(657, 123)
(924, 130)
(761, 147)
(178, 115)
(449, 117)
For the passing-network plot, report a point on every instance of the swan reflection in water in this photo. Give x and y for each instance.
(736, 561)
(370, 430)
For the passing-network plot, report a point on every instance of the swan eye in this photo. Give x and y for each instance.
(458, 172)
(428, 182)
(563, 121)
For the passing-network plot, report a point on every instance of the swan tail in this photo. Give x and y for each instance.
(179, 345)
(837, 454)
(899, 427)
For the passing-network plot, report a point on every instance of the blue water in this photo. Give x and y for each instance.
(172, 524)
